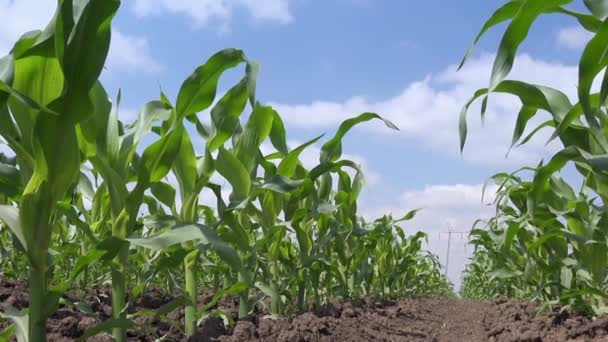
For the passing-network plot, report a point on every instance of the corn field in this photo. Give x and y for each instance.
(88, 200)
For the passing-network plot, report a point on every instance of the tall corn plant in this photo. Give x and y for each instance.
(45, 85)
(193, 173)
(580, 126)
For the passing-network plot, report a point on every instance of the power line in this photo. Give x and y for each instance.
(447, 254)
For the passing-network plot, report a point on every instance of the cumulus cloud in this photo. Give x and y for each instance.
(427, 110)
(127, 52)
(131, 53)
(573, 37)
(204, 12)
(21, 16)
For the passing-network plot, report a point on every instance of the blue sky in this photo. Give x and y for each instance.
(324, 61)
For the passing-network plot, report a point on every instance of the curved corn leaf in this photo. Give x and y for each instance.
(332, 150)
(256, 130)
(199, 89)
(10, 216)
(235, 173)
(225, 114)
(504, 13)
(288, 165)
(593, 60)
(599, 8)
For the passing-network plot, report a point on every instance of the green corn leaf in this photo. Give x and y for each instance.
(112, 135)
(205, 168)
(92, 132)
(151, 113)
(599, 8)
(256, 130)
(10, 216)
(237, 288)
(114, 183)
(158, 158)
(164, 193)
(357, 186)
(278, 135)
(20, 321)
(593, 60)
(408, 216)
(105, 251)
(566, 277)
(271, 292)
(525, 114)
(252, 70)
(38, 81)
(85, 187)
(324, 168)
(10, 180)
(169, 238)
(88, 45)
(532, 96)
(280, 184)
(159, 221)
(504, 13)
(225, 114)
(234, 172)
(185, 167)
(515, 34)
(106, 326)
(215, 243)
(548, 123)
(199, 89)
(332, 150)
(181, 233)
(589, 22)
(288, 165)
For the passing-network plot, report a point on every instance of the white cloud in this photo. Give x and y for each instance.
(574, 37)
(427, 111)
(456, 205)
(131, 53)
(127, 52)
(204, 12)
(20, 16)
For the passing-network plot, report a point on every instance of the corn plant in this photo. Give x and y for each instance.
(45, 84)
(568, 230)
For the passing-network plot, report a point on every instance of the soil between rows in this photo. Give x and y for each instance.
(420, 319)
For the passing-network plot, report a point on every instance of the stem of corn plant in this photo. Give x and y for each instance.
(36, 315)
(243, 300)
(191, 291)
(119, 286)
(84, 250)
(119, 291)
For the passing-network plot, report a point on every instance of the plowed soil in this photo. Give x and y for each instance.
(421, 319)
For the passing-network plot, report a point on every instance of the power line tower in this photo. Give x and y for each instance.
(447, 254)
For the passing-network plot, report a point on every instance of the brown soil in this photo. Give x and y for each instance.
(422, 319)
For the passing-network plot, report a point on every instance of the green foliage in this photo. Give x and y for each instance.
(547, 241)
(84, 201)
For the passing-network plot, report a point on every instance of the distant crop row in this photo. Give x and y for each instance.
(87, 199)
(548, 241)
